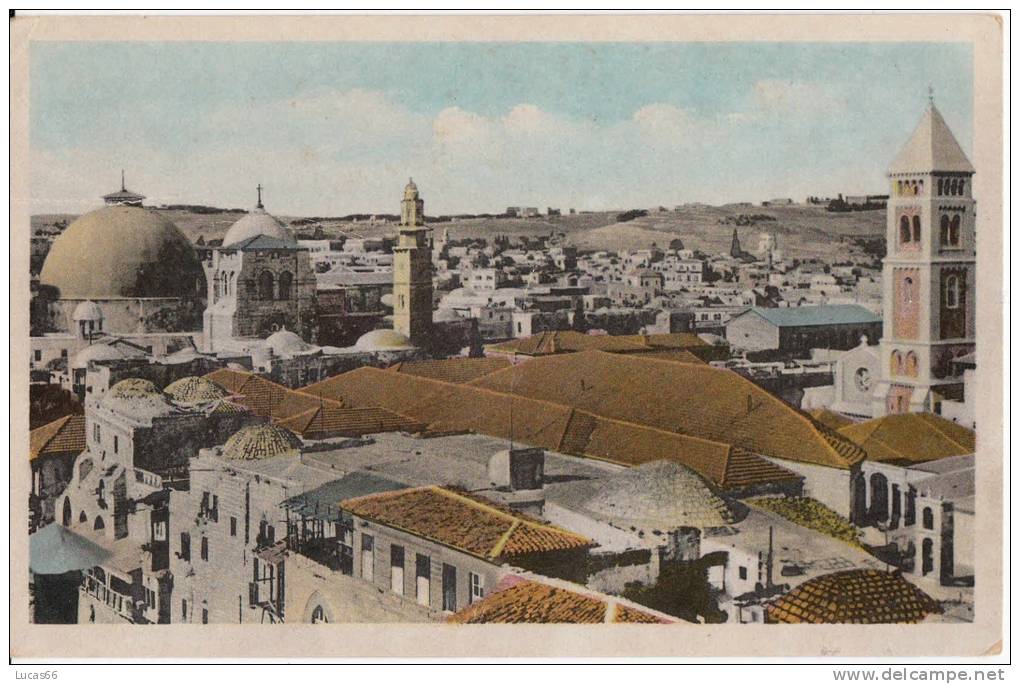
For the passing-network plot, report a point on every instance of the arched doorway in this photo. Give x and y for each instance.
(100, 524)
(83, 518)
(66, 516)
(318, 610)
(319, 615)
(879, 509)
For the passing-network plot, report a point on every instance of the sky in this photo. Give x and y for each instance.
(336, 128)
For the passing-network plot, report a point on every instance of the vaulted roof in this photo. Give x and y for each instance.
(697, 400)
(451, 370)
(853, 596)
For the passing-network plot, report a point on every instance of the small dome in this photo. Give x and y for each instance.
(95, 352)
(379, 340)
(257, 442)
(288, 343)
(193, 390)
(254, 223)
(137, 397)
(133, 388)
(446, 316)
(660, 495)
(410, 190)
(88, 311)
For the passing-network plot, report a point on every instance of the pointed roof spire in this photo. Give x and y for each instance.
(931, 147)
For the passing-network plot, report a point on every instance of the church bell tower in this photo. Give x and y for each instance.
(412, 270)
(928, 272)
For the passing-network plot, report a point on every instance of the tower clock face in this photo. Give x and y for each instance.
(862, 378)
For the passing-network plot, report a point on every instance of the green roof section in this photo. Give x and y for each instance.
(830, 314)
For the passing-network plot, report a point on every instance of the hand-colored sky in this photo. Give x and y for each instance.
(336, 128)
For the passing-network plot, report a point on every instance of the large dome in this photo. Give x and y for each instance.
(121, 251)
(254, 223)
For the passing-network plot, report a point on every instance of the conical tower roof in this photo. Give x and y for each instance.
(931, 147)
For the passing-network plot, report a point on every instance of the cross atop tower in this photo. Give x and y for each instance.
(258, 189)
(931, 95)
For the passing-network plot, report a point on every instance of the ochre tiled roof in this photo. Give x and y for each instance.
(229, 379)
(65, 435)
(517, 600)
(692, 399)
(910, 438)
(566, 341)
(854, 597)
(677, 355)
(257, 442)
(451, 370)
(331, 420)
(449, 407)
(830, 419)
(463, 522)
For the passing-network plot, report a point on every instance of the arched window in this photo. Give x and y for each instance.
(940, 186)
(319, 615)
(904, 229)
(83, 518)
(954, 231)
(232, 284)
(67, 513)
(101, 491)
(895, 363)
(910, 364)
(286, 279)
(962, 187)
(952, 292)
(944, 230)
(908, 291)
(928, 519)
(266, 285)
(917, 228)
(99, 524)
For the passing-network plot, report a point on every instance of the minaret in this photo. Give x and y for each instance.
(412, 270)
(928, 271)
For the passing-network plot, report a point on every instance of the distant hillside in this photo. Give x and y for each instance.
(802, 231)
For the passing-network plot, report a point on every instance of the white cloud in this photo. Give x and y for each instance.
(782, 97)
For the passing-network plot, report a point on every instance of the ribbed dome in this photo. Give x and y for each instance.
(257, 442)
(193, 390)
(122, 251)
(379, 340)
(95, 352)
(137, 397)
(254, 223)
(87, 311)
(661, 495)
(132, 388)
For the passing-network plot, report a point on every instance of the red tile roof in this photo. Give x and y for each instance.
(448, 407)
(911, 438)
(465, 523)
(65, 435)
(518, 600)
(330, 420)
(451, 370)
(853, 596)
(692, 399)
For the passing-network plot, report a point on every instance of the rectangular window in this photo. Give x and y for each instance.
(477, 587)
(38, 355)
(115, 442)
(742, 571)
(449, 588)
(159, 530)
(205, 548)
(233, 526)
(423, 578)
(397, 569)
(205, 616)
(184, 610)
(214, 511)
(185, 546)
(367, 558)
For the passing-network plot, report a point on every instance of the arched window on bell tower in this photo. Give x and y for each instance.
(904, 230)
(917, 228)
